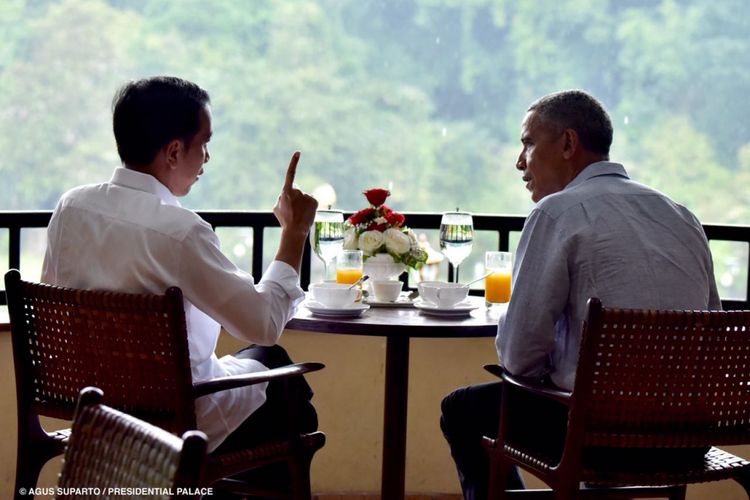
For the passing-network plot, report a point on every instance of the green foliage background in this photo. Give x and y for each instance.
(425, 96)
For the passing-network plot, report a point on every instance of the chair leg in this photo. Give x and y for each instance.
(744, 480)
(567, 490)
(28, 466)
(299, 470)
(499, 474)
(35, 447)
(678, 492)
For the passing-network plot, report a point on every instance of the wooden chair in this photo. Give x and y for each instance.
(646, 381)
(134, 347)
(111, 453)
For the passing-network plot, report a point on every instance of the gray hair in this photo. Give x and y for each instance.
(577, 110)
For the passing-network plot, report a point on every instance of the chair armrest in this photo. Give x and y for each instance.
(206, 387)
(532, 385)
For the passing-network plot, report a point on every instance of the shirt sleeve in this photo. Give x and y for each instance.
(250, 312)
(49, 265)
(714, 301)
(526, 333)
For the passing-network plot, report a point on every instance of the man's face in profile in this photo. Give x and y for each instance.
(539, 160)
(192, 157)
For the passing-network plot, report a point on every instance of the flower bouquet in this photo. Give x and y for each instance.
(380, 233)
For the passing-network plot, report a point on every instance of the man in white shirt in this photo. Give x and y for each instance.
(131, 235)
(593, 233)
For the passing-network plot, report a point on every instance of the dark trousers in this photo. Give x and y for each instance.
(287, 410)
(469, 413)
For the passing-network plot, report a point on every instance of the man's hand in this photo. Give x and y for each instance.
(295, 211)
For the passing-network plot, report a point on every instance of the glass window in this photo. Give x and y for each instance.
(422, 96)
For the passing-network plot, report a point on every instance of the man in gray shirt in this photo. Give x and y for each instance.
(593, 233)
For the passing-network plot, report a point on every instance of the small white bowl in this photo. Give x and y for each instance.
(442, 294)
(382, 267)
(334, 295)
(386, 290)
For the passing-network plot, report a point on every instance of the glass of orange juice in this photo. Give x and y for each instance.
(348, 266)
(497, 284)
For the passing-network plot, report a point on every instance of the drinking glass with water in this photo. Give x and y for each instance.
(327, 236)
(456, 237)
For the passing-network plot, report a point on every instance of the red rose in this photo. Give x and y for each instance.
(363, 215)
(385, 210)
(376, 196)
(395, 219)
(377, 227)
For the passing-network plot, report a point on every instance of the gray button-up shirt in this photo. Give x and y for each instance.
(603, 236)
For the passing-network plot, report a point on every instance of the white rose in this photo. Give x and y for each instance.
(350, 239)
(413, 241)
(396, 241)
(370, 241)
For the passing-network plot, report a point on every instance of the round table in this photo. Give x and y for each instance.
(398, 325)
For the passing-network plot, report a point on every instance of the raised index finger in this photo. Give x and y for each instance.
(291, 172)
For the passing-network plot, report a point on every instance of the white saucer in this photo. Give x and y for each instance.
(351, 311)
(402, 301)
(461, 309)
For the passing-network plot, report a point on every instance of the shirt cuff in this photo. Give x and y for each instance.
(283, 274)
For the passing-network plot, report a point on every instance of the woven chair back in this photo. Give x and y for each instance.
(665, 378)
(132, 346)
(111, 455)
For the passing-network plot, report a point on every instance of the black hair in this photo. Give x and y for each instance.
(581, 112)
(147, 114)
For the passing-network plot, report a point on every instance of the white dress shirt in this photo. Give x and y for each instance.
(132, 235)
(603, 236)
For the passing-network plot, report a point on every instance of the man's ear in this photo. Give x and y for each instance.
(172, 152)
(571, 143)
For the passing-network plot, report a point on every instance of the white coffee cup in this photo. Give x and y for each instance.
(386, 290)
(335, 295)
(442, 294)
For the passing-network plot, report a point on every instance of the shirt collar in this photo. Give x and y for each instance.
(128, 178)
(597, 169)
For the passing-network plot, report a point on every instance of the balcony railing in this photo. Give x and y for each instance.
(258, 222)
